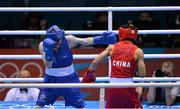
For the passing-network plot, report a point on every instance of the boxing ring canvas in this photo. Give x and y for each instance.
(89, 104)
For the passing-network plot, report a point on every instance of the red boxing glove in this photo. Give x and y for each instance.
(89, 77)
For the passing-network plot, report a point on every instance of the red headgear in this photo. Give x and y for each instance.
(128, 32)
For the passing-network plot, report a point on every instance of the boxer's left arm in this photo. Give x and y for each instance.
(141, 68)
(74, 41)
(41, 50)
(140, 62)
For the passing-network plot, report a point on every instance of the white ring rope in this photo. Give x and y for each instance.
(89, 9)
(85, 56)
(84, 32)
(88, 85)
(98, 79)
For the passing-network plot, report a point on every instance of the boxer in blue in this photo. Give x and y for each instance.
(58, 59)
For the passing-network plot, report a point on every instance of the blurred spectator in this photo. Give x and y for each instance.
(175, 95)
(122, 3)
(33, 21)
(6, 41)
(166, 95)
(6, 3)
(26, 3)
(22, 94)
(62, 3)
(139, 90)
(171, 3)
(174, 23)
(96, 3)
(147, 22)
(100, 23)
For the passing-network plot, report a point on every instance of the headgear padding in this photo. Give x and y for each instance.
(55, 33)
(128, 32)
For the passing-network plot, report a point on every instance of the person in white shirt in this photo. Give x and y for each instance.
(22, 94)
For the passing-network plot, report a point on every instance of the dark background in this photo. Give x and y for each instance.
(88, 20)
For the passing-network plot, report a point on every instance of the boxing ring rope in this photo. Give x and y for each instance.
(85, 56)
(84, 32)
(88, 85)
(89, 9)
(98, 79)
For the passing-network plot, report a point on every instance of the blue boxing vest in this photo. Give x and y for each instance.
(63, 57)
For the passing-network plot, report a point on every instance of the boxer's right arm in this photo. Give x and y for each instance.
(101, 57)
(90, 76)
(41, 50)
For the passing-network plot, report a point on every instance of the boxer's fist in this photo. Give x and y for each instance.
(48, 46)
(106, 37)
(89, 77)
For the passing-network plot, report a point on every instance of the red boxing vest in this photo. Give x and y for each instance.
(123, 63)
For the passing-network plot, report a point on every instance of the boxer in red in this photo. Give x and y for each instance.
(126, 58)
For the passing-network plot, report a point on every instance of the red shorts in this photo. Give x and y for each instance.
(123, 98)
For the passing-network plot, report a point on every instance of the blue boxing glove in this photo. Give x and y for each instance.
(49, 45)
(107, 37)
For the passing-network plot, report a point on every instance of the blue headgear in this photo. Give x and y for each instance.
(55, 33)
